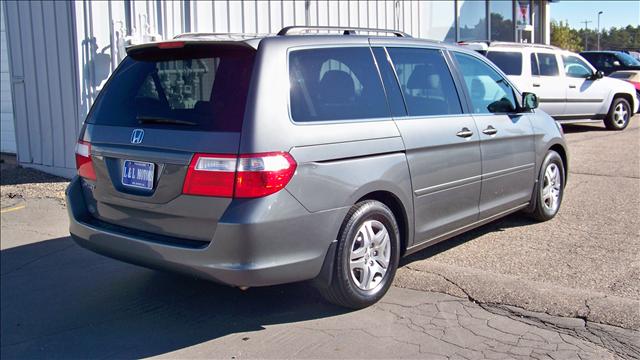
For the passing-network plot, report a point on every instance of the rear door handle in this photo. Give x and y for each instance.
(465, 133)
(572, 86)
(536, 85)
(490, 130)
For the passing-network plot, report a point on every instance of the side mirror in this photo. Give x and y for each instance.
(598, 75)
(529, 101)
(616, 63)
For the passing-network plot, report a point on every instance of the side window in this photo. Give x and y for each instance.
(611, 61)
(535, 70)
(426, 81)
(548, 64)
(335, 84)
(509, 62)
(576, 68)
(489, 92)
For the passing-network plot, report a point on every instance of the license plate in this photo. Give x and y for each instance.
(138, 174)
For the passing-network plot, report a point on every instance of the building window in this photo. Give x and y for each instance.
(440, 16)
(472, 20)
(502, 26)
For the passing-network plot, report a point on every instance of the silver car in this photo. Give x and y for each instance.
(255, 161)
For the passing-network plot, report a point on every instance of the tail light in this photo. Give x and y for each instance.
(83, 160)
(245, 176)
(636, 84)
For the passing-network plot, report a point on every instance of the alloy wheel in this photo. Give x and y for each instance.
(370, 255)
(551, 187)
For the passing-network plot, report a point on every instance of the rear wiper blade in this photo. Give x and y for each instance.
(160, 120)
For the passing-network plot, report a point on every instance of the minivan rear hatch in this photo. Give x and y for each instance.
(165, 103)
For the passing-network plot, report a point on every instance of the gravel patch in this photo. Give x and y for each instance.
(23, 183)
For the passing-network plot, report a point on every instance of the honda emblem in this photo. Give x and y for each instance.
(136, 136)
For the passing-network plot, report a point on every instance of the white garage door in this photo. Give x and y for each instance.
(7, 131)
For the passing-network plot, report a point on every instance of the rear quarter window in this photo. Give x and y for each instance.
(334, 84)
(509, 62)
(197, 87)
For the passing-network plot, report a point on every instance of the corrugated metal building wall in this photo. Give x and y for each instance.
(60, 53)
(7, 131)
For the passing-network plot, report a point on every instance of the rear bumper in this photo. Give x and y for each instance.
(253, 244)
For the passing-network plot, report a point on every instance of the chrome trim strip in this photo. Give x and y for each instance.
(472, 180)
(513, 170)
(447, 186)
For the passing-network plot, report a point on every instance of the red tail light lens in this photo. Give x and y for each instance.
(246, 176)
(210, 175)
(263, 174)
(83, 160)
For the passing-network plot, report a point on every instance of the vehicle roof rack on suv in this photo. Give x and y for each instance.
(297, 30)
(508, 44)
(218, 35)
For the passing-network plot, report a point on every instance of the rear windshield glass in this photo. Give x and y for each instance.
(197, 87)
(509, 62)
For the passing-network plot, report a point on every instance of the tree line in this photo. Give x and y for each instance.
(623, 38)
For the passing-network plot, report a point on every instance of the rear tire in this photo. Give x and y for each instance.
(367, 256)
(550, 187)
(619, 115)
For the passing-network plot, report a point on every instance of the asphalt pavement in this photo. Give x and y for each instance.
(583, 263)
(511, 289)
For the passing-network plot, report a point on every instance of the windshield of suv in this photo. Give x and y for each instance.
(197, 87)
(628, 60)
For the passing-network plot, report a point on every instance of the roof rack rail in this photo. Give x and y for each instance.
(297, 30)
(202, 34)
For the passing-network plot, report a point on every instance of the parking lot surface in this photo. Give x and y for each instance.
(585, 262)
(567, 288)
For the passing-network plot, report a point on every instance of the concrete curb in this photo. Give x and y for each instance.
(489, 288)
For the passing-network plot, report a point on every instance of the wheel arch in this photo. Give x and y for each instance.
(562, 151)
(399, 211)
(625, 96)
(565, 160)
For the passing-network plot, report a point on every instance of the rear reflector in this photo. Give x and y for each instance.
(246, 176)
(84, 163)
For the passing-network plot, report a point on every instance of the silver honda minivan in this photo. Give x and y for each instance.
(254, 161)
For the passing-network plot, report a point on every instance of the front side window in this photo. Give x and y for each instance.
(488, 90)
(576, 68)
(509, 62)
(548, 64)
(627, 60)
(425, 81)
(328, 84)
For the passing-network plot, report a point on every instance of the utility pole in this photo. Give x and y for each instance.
(586, 35)
(599, 13)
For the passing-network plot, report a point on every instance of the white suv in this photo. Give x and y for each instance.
(568, 87)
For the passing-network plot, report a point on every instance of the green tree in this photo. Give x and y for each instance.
(564, 37)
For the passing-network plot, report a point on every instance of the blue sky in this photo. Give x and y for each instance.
(616, 13)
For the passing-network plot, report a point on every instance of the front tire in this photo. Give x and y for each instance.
(367, 256)
(550, 187)
(619, 115)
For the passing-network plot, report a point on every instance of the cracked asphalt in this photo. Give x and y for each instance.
(513, 289)
(583, 263)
